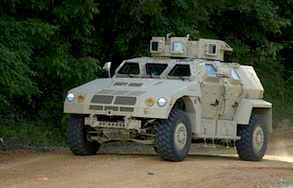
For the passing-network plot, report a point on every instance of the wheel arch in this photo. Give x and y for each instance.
(264, 116)
(258, 107)
(189, 104)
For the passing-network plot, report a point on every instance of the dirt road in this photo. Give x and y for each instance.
(142, 168)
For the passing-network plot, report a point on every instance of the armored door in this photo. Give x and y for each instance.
(212, 93)
(232, 95)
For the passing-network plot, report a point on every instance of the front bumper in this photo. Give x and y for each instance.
(116, 110)
(126, 123)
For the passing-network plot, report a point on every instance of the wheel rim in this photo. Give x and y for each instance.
(258, 139)
(180, 136)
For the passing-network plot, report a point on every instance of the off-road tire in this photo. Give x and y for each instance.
(165, 139)
(76, 137)
(244, 146)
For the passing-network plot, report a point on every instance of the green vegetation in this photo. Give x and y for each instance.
(31, 134)
(47, 47)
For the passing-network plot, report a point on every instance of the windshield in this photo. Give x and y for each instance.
(155, 69)
(129, 68)
(180, 70)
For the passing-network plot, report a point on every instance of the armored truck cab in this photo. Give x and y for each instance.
(183, 93)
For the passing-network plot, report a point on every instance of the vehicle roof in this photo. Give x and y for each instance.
(169, 60)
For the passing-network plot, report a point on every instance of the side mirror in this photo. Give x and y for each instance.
(107, 67)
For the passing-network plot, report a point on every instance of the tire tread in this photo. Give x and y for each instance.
(164, 137)
(76, 138)
(244, 145)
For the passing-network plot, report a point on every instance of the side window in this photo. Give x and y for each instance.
(155, 69)
(129, 68)
(177, 47)
(180, 70)
(212, 49)
(234, 75)
(211, 70)
(155, 46)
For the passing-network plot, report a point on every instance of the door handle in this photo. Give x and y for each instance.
(216, 103)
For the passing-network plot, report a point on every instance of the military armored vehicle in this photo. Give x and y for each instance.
(183, 93)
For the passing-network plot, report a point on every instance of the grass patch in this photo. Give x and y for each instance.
(31, 134)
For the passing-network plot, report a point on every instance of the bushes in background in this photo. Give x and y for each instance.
(48, 47)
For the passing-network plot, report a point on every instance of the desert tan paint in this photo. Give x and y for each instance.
(215, 104)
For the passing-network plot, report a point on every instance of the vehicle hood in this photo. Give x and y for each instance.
(136, 87)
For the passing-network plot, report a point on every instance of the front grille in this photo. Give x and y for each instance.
(102, 99)
(96, 107)
(126, 109)
(125, 100)
(112, 108)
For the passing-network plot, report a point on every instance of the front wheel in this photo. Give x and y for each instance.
(253, 140)
(173, 136)
(77, 137)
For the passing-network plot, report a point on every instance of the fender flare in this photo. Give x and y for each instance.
(192, 108)
(247, 106)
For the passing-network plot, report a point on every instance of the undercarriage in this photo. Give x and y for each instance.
(103, 128)
(171, 138)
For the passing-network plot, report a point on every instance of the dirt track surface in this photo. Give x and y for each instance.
(142, 168)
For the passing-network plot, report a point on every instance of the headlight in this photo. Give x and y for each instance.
(162, 102)
(70, 97)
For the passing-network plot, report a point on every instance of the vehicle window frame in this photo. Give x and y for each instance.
(233, 73)
(161, 73)
(129, 62)
(179, 64)
(214, 74)
(182, 45)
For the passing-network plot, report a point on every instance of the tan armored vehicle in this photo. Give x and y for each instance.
(184, 93)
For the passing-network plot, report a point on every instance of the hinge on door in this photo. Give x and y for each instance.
(216, 103)
(235, 105)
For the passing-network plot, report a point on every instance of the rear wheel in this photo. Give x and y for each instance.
(77, 137)
(173, 137)
(253, 140)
